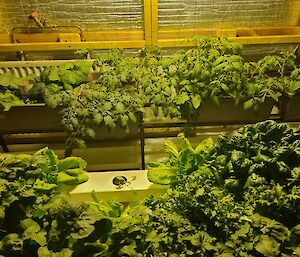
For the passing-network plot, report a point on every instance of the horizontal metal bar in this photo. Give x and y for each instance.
(248, 40)
(57, 46)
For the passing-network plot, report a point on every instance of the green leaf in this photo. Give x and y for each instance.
(196, 101)
(182, 98)
(44, 252)
(224, 87)
(10, 81)
(107, 106)
(74, 172)
(39, 238)
(120, 107)
(83, 66)
(267, 246)
(39, 213)
(108, 120)
(124, 120)
(184, 142)
(72, 77)
(297, 251)
(90, 132)
(82, 177)
(132, 117)
(248, 104)
(71, 163)
(54, 74)
(184, 82)
(200, 192)
(273, 95)
(51, 157)
(43, 186)
(148, 90)
(170, 148)
(226, 255)
(165, 110)
(206, 144)
(8, 99)
(154, 109)
(64, 178)
(98, 118)
(162, 175)
(173, 82)
(168, 90)
(128, 250)
(30, 224)
(66, 66)
(172, 70)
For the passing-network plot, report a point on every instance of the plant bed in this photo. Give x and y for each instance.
(291, 108)
(228, 112)
(239, 197)
(30, 118)
(35, 118)
(121, 186)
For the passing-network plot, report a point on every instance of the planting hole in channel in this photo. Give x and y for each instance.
(119, 180)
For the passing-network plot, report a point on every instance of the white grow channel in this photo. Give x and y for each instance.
(134, 186)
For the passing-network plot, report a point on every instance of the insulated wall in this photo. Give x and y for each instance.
(90, 14)
(132, 24)
(189, 14)
(128, 14)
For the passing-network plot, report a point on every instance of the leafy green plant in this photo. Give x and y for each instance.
(83, 53)
(269, 77)
(55, 79)
(239, 197)
(140, 231)
(291, 84)
(182, 83)
(244, 193)
(11, 92)
(180, 163)
(8, 99)
(263, 160)
(118, 71)
(36, 218)
(93, 106)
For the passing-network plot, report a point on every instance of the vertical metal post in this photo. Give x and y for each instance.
(147, 22)
(154, 21)
(295, 13)
(142, 141)
(3, 144)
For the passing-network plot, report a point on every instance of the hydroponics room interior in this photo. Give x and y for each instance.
(178, 118)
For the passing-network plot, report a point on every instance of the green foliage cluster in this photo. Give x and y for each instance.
(237, 198)
(112, 100)
(243, 192)
(93, 106)
(188, 78)
(36, 218)
(10, 90)
(272, 76)
(176, 86)
(116, 70)
(53, 80)
(67, 76)
(214, 69)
